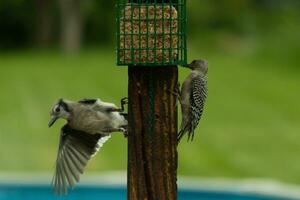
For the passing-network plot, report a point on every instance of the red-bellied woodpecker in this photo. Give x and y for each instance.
(89, 125)
(192, 98)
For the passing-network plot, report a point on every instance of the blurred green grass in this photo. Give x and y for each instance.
(250, 127)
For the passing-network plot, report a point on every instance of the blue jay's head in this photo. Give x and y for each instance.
(200, 65)
(59, 110)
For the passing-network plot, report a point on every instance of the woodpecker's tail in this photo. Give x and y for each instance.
(180, 135)
(182, 132)
(189, 131)
(191, 136)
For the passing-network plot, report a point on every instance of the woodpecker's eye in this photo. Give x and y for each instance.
(57, 109)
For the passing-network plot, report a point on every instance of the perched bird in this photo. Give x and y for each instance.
(192, 98)
(89, 125)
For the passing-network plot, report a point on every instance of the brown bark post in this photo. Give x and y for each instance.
(152, 136)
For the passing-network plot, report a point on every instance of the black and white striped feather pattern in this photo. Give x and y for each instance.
(75, 150)
(198, 96)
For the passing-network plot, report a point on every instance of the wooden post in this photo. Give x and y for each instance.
(152, 137)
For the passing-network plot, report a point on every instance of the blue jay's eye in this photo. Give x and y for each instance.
(57, 109)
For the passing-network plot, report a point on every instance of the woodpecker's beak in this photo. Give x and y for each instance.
(52, 121)
(187, 65)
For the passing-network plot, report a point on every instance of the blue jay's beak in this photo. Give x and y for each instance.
(52, 121)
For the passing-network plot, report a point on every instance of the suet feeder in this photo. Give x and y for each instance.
(151, 32)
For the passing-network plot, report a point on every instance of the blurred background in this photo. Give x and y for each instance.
(66, 48)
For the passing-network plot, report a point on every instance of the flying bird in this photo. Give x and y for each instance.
(192, 98)
(90, 123)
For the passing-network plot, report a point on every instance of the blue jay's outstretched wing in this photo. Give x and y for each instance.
(75, 150)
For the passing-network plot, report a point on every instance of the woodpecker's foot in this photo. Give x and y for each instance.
(176, 92)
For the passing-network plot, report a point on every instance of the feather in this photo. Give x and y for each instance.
(197, 100)
(75, 150)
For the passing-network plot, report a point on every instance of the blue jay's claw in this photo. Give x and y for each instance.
(124, 101)
(123, 130)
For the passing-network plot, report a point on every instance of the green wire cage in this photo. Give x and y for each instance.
(151, 32)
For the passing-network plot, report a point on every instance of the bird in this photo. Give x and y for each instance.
(90, 123)
(192, 98)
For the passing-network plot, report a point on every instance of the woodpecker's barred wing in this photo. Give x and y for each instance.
(75, 150)
(197, 100)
